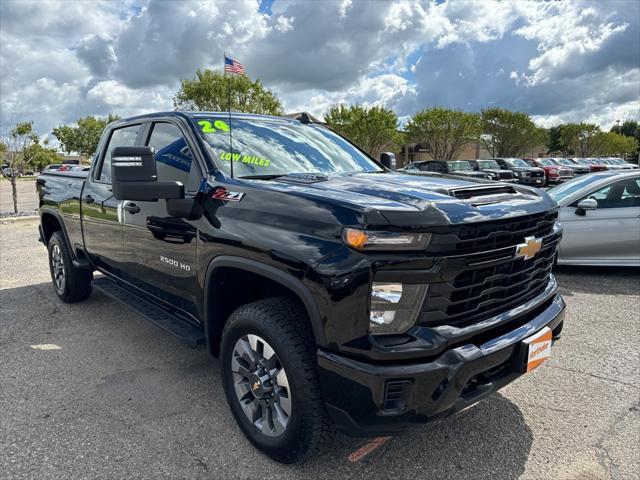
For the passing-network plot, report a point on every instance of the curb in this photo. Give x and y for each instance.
(18, 219)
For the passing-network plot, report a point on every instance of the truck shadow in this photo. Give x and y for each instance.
(492, 440)
(129, 376)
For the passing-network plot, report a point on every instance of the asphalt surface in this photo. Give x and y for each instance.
(27, 196)
(122, 399)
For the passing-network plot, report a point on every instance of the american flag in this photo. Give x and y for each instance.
(232, 66)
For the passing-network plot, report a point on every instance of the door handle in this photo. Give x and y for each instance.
(131, 207)
(88, 199)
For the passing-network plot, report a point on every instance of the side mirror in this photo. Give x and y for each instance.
(388, 159)
(134, 177)
(586, 204)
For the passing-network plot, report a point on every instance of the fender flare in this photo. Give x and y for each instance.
(285, 279)
(63, 228)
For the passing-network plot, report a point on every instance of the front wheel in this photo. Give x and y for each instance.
(270, 379)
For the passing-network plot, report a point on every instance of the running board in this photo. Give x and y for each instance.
(172, 323)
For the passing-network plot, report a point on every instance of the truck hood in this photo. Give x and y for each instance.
(418, 201)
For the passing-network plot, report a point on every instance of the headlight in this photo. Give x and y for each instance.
(527, 174)
(394, 307)
(553, 171)
(368, 240)
(517, 174)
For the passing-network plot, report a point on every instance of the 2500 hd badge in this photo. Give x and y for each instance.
(175, 263)
(337, 293)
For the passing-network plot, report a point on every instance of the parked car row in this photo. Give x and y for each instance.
(454, 167)
(537, 172)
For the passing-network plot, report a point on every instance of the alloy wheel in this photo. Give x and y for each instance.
(57, 267)
(261, 385)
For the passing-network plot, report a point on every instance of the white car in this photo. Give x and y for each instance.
(600, 215)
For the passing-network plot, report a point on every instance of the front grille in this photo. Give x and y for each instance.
(566, 173)
(537, 174)
(493, 281)
(481, 237)
(506, 175)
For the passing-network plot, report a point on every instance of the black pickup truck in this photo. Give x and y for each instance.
(337, 293)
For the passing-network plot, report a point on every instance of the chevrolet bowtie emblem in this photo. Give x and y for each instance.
(529, 248)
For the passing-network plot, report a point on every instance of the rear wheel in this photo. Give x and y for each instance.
(270, 379)
(71, 284)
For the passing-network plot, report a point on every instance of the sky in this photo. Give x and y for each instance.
(559, 61)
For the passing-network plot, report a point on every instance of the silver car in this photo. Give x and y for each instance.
(600, 213)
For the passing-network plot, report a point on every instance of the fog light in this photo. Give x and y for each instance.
(394, 307)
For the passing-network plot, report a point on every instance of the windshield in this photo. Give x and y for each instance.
(459, 166)
(487, 164)
(547, 162)
(273, 147)
(564, 161)
(565, 189)
(516, 162)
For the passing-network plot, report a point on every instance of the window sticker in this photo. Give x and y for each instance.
(218, 126)
(249, 159)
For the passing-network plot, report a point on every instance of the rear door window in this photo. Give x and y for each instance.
(120, 137)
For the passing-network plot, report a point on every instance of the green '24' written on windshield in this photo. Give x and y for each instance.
(218, 126)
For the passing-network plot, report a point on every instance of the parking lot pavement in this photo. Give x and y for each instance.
(27, 196)
(121, 399)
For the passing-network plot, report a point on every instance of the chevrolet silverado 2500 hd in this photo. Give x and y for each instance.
(337, 293)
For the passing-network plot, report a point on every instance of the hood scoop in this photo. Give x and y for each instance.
(484, 195)
(304, 178)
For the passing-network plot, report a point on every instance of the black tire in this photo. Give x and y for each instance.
(71, 284)
(284, 327)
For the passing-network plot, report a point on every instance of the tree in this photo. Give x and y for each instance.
(509, 134)
(611, 143)
(373, 129)
(209, 91)
(16, 142)
(38, 156)
(629, 128)
(443, 132)
(554, 142)
(583, 139)
(83, 137)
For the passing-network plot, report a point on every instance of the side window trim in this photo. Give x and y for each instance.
(95, 176)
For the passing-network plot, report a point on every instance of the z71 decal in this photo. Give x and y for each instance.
(227, 196)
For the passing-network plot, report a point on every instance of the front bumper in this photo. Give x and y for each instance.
(367, 399)
(534, 181)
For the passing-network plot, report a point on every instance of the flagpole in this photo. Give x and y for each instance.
(229, 109)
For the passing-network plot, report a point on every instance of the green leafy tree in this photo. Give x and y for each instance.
(38, 156)
(611, 143)
(443, 132)
(630, 128)
(209, 91)
(373, 129)
(83, 137)
(583, 139)
(16, 142)
(554, 142)
(509, 134)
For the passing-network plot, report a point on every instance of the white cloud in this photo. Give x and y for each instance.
(564, 60)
